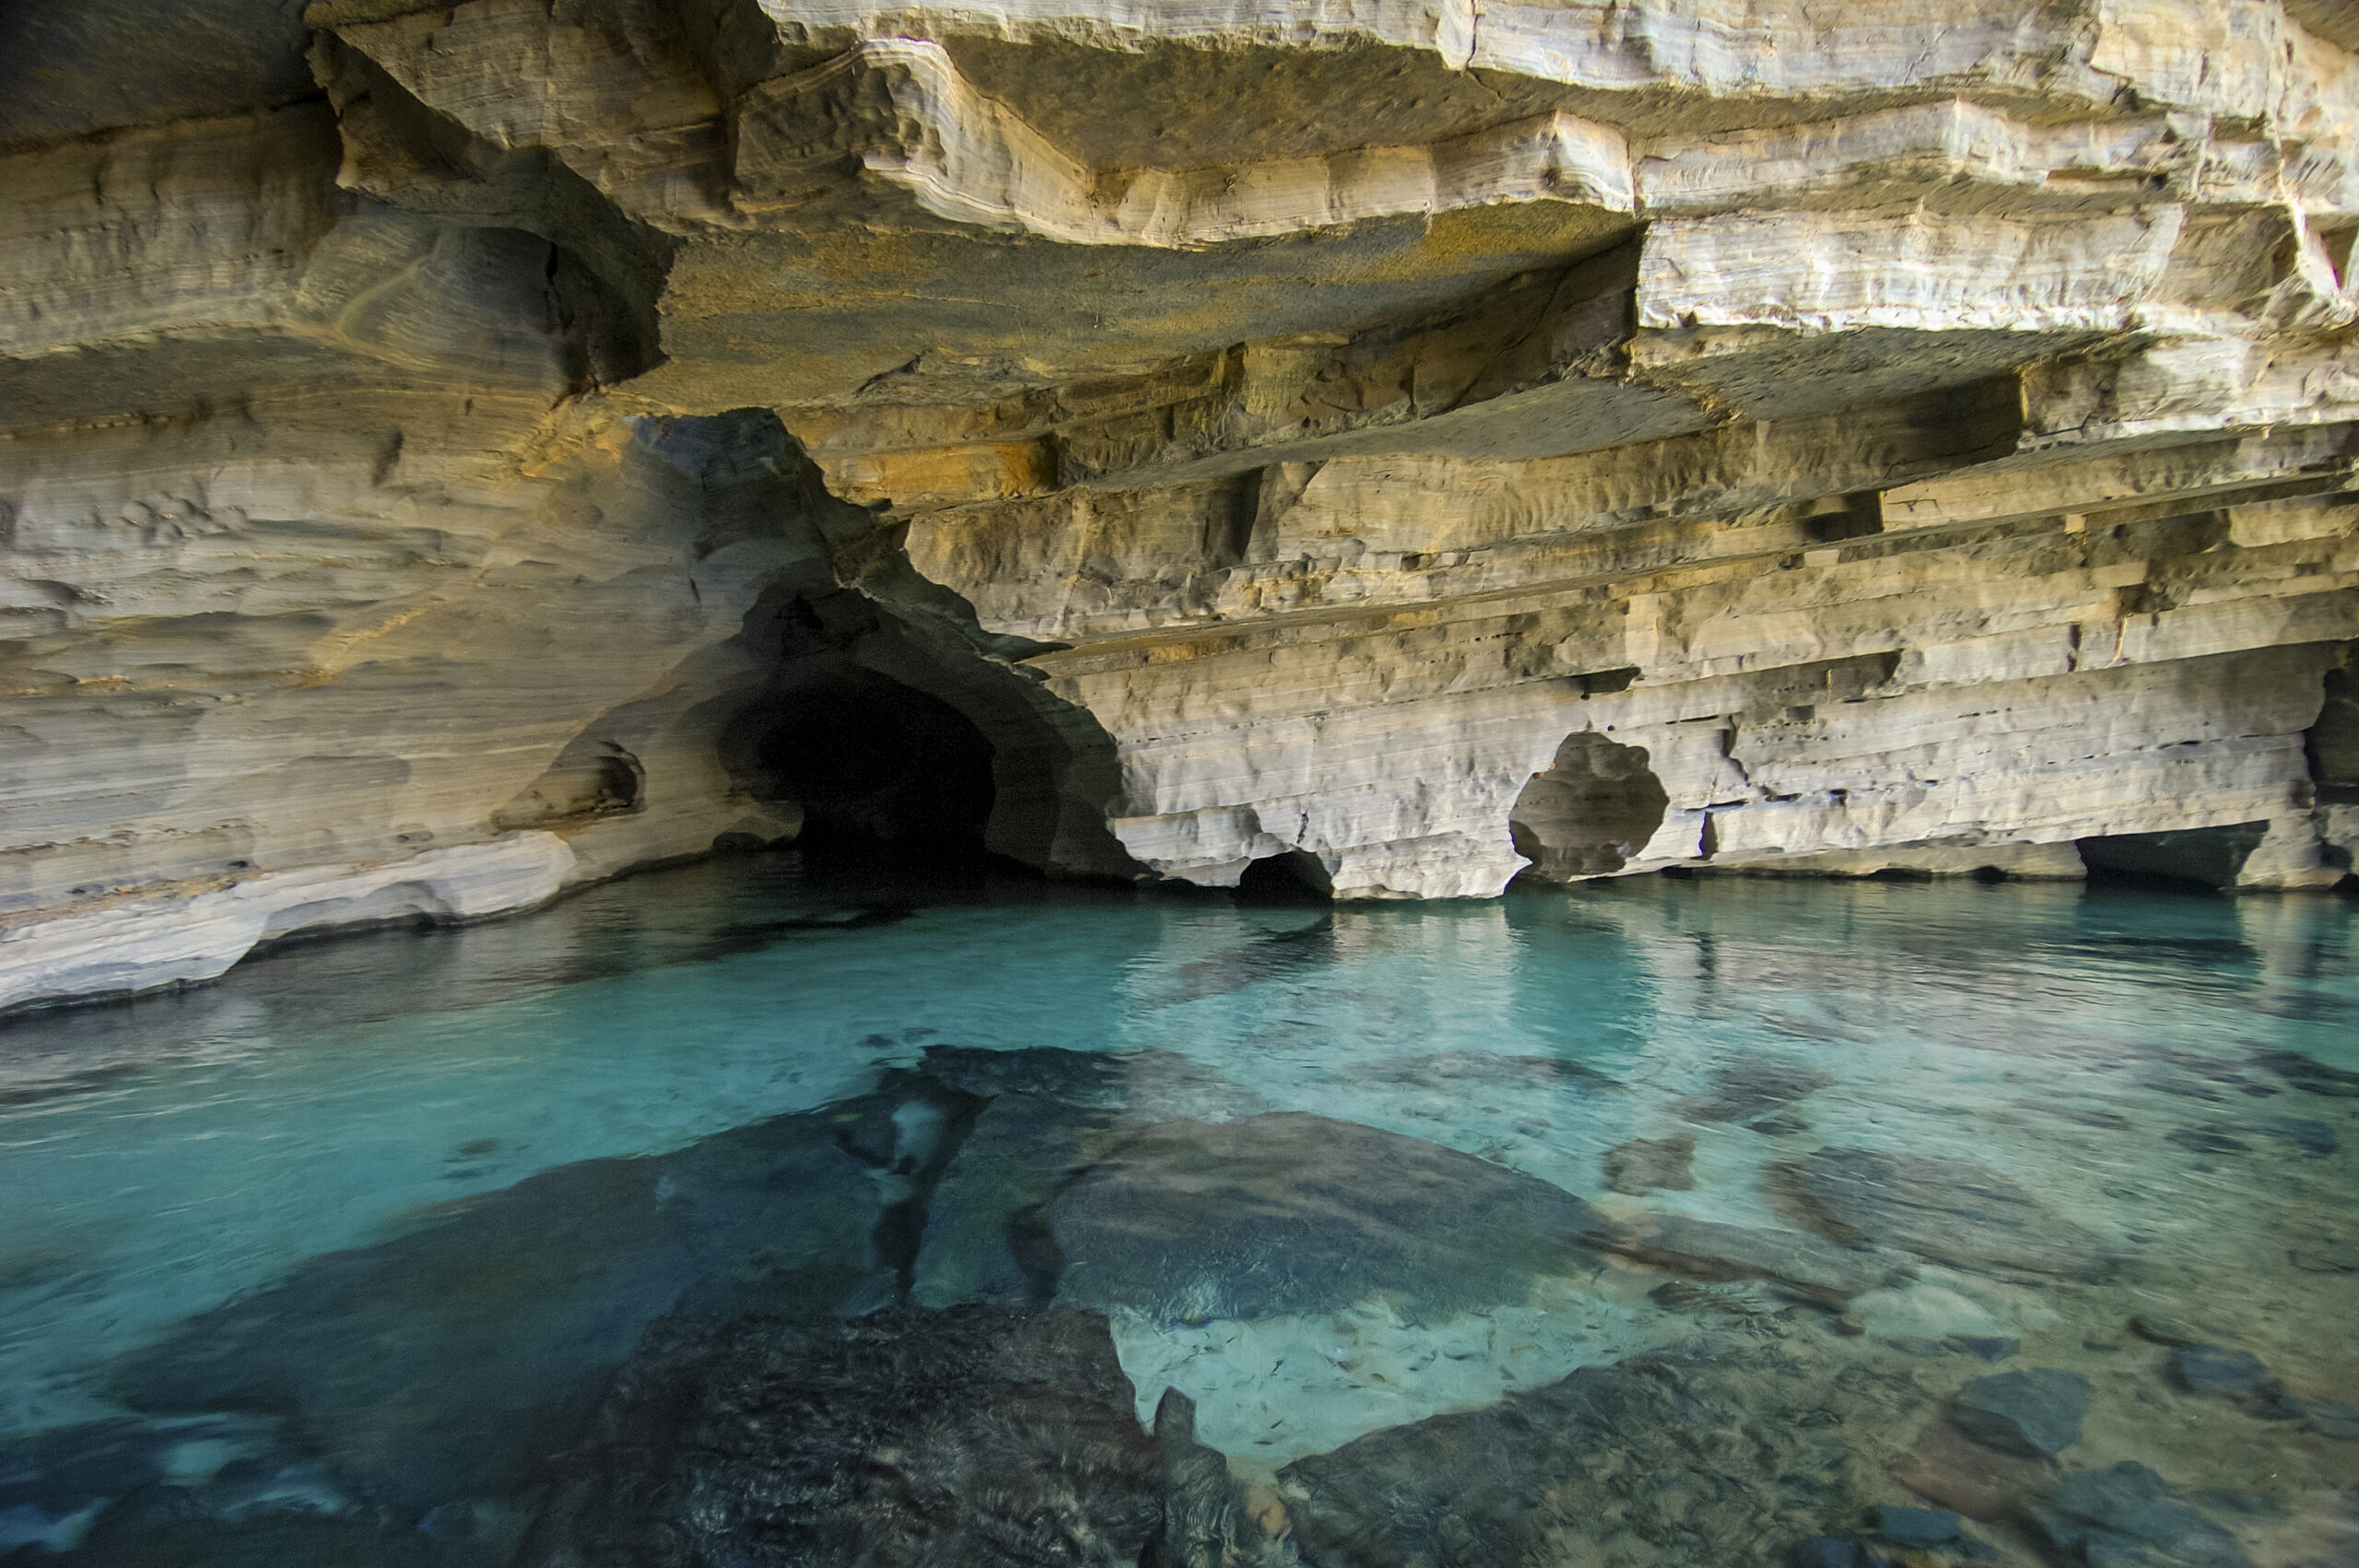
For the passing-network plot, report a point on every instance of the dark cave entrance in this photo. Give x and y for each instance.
(1292, 876)
(1595, 808)
(869, 759)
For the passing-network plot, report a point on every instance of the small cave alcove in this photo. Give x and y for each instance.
(1292, 876)
(869, 759)
(2197, 860)
(592, 778)
(1591, 811)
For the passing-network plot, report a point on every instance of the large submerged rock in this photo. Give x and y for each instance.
(979, 1435)
(448, 452)
(1296, 1213)
(1673, 1458)
(454, 1360)
(1953, 1211)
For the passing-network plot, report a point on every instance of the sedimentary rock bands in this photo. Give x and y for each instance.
(451, 453)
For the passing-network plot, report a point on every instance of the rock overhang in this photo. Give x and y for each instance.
(1344, 389)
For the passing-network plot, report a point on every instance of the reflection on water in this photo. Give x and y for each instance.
(745, 1214)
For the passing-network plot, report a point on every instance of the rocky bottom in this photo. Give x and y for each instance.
(1788, 1300)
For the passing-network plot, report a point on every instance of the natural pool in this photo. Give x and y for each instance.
(1659, 1222)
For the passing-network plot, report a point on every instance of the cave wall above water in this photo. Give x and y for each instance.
(1914, 435)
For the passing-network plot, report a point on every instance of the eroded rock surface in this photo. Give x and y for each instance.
(451, 452)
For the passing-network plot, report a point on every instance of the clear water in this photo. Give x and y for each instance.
(2165, 1080)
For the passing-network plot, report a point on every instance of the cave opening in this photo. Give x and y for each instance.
(871, 760)
(2187, 860)
(1292, 876)
(1591, 813)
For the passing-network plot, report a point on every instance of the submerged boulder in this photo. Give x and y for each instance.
(1644, 1164)
(2036, 1413)
(1292, 1212)
(1457, 1071)
(1752, 1086)
(1811, 1267)
(2126, 1517)
(1150, 1084)
(983, 1436)
(1673, 1458)
(1951, 1211)
(984, 1237)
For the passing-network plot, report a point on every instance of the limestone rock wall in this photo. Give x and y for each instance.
(1427, 438)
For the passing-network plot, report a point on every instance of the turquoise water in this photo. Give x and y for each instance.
(216, 1200)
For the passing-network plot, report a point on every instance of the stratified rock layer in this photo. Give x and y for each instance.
(451, 452)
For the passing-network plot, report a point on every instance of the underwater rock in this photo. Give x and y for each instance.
(56, 1485)
(1915, 1526)
(2311, 1136)
(1949, 1467)
(1144, 1085)
(1749, 1087)
(2208, 1369)
(979, 1435)
(2160, 1329)
(452, 1361)
(1292, 1212)
(2328, 1417)
(2311, 1261)
(1099, 1079)
(2207, 1140)
(1916, 1345)
(1983, 1347)
(985, 1239)
(1669, 1458)
(2126, 1517)
(1643, 1164)
(1746, 1303)
(2036, 1413)
(2309, 1075)
(1447, 1069)
(1951, 1211)
(1813, 1267)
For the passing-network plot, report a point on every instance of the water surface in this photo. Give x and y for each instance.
(1950, 1197)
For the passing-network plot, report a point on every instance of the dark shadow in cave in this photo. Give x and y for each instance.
(2189, 859)
(1292, 876)
(871, 759)
(870, 697)
(890, 744)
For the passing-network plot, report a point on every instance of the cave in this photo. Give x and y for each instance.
(1589, 813)
(869, 759)
(2194, 858)
(1292, 876)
